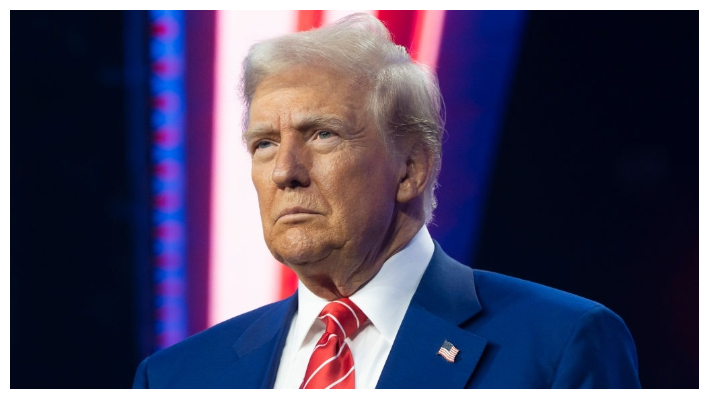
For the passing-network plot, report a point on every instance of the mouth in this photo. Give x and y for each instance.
(294, 214)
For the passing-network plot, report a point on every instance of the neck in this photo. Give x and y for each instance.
(339, 275)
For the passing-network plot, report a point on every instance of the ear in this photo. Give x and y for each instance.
(415, 174)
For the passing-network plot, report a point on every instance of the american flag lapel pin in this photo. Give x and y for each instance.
(448, 351)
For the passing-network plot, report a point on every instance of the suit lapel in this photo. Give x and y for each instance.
(444, 299)
(260, 347)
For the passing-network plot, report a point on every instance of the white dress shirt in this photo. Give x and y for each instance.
(384, 300)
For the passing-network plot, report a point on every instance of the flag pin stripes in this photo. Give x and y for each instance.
(448, 351)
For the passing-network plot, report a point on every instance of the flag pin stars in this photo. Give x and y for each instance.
(448, 351)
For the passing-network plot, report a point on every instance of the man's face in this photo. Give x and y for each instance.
(326, 183)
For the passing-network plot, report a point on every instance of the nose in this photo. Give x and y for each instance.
(291, 164)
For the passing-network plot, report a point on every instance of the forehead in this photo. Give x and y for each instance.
(305, 76)
(308, 93)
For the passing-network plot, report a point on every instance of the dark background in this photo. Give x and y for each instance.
(594, 189)
(596, 186)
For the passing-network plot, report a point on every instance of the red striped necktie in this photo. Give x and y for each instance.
(331, 364)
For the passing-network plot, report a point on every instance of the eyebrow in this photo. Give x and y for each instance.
(307, 122)
(258, 130)
(301, 123)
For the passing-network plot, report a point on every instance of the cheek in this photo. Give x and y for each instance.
(261, 179)
(260, 174)
(361, 190)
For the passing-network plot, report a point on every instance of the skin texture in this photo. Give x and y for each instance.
(335, 202)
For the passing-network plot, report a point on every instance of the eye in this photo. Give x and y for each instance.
(263, 144)
(324, 134)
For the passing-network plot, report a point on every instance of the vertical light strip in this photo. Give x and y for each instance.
(427, 37)
(168, 156)
(242, 275)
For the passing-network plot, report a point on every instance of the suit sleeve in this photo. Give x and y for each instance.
(600, 353)
(141, 375)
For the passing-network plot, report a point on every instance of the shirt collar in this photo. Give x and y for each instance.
(385, 298)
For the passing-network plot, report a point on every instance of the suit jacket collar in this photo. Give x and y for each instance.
(260, 347)
(444, 300)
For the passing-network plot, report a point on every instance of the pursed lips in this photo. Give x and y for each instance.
(297, 210)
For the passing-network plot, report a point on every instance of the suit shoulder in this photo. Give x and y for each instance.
(226, 331)
(499, 292)
(209, 348)
(554, 338)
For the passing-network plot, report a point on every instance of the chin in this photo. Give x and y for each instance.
(299, 247)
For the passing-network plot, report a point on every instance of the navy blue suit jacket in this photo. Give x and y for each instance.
(510, 333)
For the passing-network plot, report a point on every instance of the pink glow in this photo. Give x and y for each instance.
(242, 275)
(427, 37)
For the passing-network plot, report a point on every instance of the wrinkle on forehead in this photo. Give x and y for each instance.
(305, 100)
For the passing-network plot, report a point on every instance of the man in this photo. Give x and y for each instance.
(345, 137)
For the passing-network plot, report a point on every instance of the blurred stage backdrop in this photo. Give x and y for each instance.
(570, 159)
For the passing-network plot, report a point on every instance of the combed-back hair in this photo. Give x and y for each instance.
(404, 97)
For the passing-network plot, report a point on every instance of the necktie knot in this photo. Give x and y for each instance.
(342, 317)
